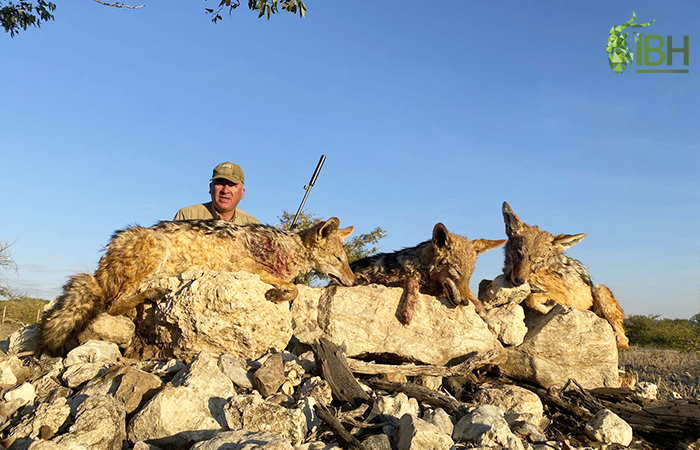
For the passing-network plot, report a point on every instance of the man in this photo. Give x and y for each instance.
(226, 189)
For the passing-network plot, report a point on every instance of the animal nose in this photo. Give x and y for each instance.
(519, 281)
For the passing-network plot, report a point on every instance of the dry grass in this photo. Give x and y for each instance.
(17, 312)
(675, 372)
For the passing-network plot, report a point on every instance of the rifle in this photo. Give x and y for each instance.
(308, 189)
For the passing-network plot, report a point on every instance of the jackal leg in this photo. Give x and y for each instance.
(410, 299)
(122, 304)
(478, 305)
(540, 302)
(283, 291)
(605, 306)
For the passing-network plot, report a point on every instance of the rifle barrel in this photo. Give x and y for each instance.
(308, 189)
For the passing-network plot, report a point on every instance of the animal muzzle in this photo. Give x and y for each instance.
(452, 291)
(346, 279)
(514, 280)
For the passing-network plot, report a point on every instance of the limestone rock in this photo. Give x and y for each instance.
(500, 292)
(440, 419)
(219, 312)
(78, 374)
(50, 414)
(608, 428)
(377, 442)
(204, 376)
(236, 370)
(393, 407)
(516, 402)
(251, 412)
(173, 417)
(417, 434)
(318, 388)
(508, 323)
(565, 343)
(24, 392)
(244, 440)
(363, 319)
(486, 426)
(116, 329)
(93, 352)
(12, 371)
(99, 425)
(270, 376)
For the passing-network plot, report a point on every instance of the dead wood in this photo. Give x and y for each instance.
(334, 424)
(422, 394)
(474, 361)
(334, 369)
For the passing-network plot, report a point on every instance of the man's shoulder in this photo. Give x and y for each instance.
(243, 218)
(200, 211)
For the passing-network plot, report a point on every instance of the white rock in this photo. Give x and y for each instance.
(440, 419)
(394, 407)
(485, 425)
(25, 393)
(417, 434)
(508, 323)
(608, 428)
(244, 440)
(565, 344)
(363, 319)
(93, 352)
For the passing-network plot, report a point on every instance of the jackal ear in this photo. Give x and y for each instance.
(481, 245)
(513, 225)
(345, 232)
(327, 228)
(565, 241)
(441, 237)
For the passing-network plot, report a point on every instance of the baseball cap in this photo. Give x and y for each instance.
(228, 171)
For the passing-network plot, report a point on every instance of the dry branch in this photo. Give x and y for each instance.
(474, 361)
(334, 369)
(422, 394)
(334, 424)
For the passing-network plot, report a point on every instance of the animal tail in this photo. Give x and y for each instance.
(81, 301)
(605, 306)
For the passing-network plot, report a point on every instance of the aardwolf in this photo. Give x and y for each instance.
(138, 255)
(535, 256)
(438, 267)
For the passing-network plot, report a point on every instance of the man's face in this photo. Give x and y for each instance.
(225, 194)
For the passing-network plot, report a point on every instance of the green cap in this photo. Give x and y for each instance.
(228, 171)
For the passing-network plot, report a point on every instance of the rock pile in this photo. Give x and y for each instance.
(236, 371)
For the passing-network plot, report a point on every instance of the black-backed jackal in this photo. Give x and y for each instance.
(441, 266)
(535, 256)
(137, 255)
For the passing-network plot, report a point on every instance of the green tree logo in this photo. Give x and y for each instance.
(619, 54)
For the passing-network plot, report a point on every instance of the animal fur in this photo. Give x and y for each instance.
(535, 256)
(441, 266)
(138, 255)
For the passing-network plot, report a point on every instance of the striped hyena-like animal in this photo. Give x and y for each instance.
(137, 255)
(441, 266)
(535, 256)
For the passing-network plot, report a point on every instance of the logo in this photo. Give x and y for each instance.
(620, 55)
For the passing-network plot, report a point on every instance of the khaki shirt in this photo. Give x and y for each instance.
(207, 211)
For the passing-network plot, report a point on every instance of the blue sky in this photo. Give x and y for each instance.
(426, 114)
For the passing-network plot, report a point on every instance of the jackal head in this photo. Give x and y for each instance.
(455, 256)
(529, 249)
(324, 241)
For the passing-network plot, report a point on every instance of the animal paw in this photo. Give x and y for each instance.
(277, 295)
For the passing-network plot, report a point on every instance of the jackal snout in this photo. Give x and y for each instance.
(529, 248)
(325, 241)
(456, 256)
